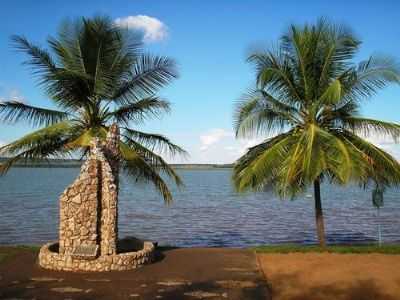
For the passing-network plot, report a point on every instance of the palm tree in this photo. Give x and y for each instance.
(306, 104)
(95, 74)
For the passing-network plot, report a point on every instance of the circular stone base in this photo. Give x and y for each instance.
(49, 258)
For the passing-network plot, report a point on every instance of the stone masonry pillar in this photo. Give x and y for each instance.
(88, 208)
(109, 191)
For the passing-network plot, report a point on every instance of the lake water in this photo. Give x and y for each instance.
(206, 212)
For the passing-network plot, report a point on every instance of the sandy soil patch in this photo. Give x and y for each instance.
(312, 276)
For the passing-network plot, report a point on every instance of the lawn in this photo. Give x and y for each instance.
(345, 249)
(7, 252)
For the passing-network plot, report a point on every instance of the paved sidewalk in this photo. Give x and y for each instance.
(186, 273)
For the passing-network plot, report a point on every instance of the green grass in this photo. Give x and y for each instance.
(3, 257)
(7, 252)
(356, 249)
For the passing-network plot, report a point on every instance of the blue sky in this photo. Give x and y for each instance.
(209, 40)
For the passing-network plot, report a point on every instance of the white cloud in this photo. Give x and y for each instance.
(152, 28)
(230, 148)
(15, 95)
(219, 146)
(213, 136)
(386, 143)
(12, 95)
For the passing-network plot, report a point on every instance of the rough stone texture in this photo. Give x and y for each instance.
(88, 233)
(109, 159)
(78, 208)
(50, 259)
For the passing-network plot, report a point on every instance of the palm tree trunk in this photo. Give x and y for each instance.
(319, 216)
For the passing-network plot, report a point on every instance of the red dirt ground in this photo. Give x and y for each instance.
(324, 276)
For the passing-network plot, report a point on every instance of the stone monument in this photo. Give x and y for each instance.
(88, 232)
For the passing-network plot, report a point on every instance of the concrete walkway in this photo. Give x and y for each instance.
(189, 273)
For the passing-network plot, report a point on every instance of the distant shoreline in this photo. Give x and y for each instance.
(75, 163)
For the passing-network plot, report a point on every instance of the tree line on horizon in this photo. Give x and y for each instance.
(305, 103)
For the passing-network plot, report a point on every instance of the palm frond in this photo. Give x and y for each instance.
(40, 60)
(366, 127)
(154, 160)
(370, 76)
(137, 167)
(49, 141)
(149, 74)
(332, 94)
(140, 110)
(260, 113)
(275, 74)
(378, 165)
(14, 111)
(155, 142)
(259, 167)
(61, 131)
(85, 137)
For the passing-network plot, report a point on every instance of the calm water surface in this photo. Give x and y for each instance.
(206, 212)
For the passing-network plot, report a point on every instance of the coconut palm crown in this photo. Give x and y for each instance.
(307, 104)
(95, 74)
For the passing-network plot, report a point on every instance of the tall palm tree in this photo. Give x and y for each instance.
(96, 74)
(306, 104)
